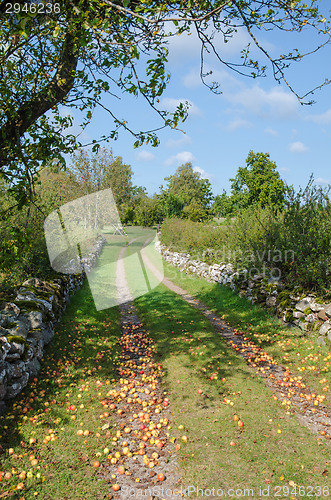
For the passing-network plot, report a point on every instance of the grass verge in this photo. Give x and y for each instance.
(290, 347)
(54, 432)
(209, 387)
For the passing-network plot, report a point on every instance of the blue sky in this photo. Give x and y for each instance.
(258, 115)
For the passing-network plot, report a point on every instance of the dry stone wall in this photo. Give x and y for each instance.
(292, 305)
(27, 320)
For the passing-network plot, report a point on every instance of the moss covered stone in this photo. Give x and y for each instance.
(16, 338)
(289, 318)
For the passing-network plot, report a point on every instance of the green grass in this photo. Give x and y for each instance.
(272, 449)
(77, 369)
(288, 346)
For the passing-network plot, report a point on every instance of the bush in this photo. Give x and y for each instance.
(296, 242)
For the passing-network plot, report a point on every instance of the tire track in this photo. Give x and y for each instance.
(286, 387)
(144, 463)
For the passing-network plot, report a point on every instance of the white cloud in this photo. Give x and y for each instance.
(192, 78)
(320, 180)
(275, 103)
(179, 158)
(188, 46)
(297, 147)
(322, 119)
(170, 104)
(145, 156)
(202, 172)
(271, 131)
(237, 123)
(183, 47)
(226, 80)
(176, 143)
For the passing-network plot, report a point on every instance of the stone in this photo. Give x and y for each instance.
(303, 304)
(315, 307)
(20, 327)
(10, 309)
(16, 347)
(29, 354)
(321, 340)
(298, 314)
(327, 310)
(4, 347)
(31, 297)
(303, 325)
(311, 318)
(3, 321)
(33, 367)
(325, 328)
(13, 357)
(16, 386)
(270, 301)
(48, 333)
(3, 383)
(35, 335)
(17, 369)
(321, 315)
(35, 318)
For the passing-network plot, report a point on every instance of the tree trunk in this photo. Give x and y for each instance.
(49, 96)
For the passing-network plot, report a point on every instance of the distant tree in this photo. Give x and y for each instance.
(184, 187)
(223, 205)
(170, 205)
(146, 211)
(101, 170)
(55, 188)
(119, 179)
(258, 183)
(194, 211)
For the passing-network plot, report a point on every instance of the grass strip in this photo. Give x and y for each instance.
(54, 432)
(290, 347)
(212, 390)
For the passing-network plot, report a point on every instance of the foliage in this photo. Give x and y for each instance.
(194, 211)
(294, 243)
(146, 212)
(259, 182)
(307, 230)
(171, 204)
(186, 194)
(225, 206)
(194, 237)
(256, 183)
(74, 55)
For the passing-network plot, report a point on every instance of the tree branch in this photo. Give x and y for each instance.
(167, 19)
(49, 96)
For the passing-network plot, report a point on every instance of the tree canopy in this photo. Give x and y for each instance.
(258, 183)
(186, 194)
(68, 54)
